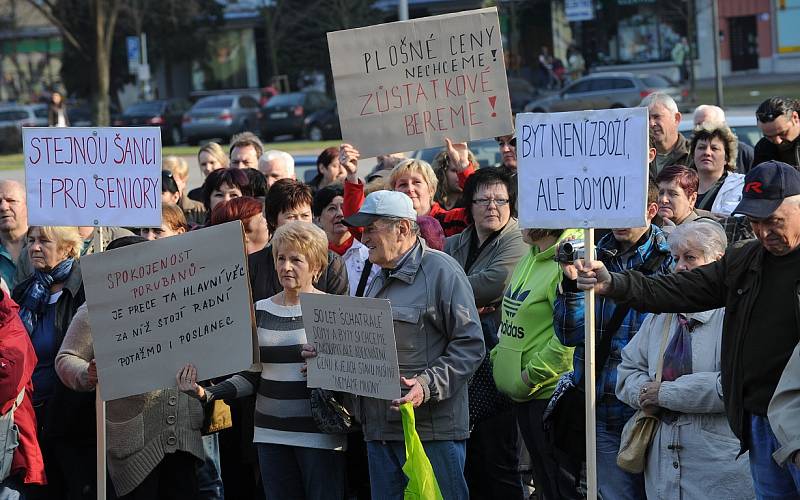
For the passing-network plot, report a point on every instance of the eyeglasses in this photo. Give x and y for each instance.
(485, 202)
(511, 142)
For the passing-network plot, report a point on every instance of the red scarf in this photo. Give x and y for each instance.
(341, 249)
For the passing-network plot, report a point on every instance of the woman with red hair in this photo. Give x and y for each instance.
(250, 212)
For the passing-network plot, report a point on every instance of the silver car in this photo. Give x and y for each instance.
(744, 125)
(220, 117)
(23, 115)
(606, 90)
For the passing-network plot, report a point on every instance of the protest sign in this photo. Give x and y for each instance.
(583, 169)
(354, 338)
(93, 176)
(410, 84)
(156, 306)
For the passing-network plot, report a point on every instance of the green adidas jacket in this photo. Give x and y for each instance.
(526, 338)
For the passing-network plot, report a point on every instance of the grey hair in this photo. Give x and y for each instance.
(396, 220)
(705, 235)
(274, 154)
(794, 199)
(660, 98)
(715, 111)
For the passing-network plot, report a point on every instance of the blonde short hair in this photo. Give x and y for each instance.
(177, 166)
(65, 237)
(414, 166)
(217, 152)
(306, 238)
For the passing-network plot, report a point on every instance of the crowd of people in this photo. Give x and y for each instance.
(696, 327)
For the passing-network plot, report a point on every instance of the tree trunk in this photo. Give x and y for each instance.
(105, 20)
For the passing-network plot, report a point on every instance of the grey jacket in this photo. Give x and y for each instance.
(490, 273)
(439, 340)
(784, 410)
(140, 429)
(694, 431)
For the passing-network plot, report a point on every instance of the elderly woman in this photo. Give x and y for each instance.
(488, 250)
(414, 178)
(329, 170)
(694, 453)
(297, 460)
(140, 466)
(327, 209)
(223, 185)
(249, 211)
(209, 158)
(48, 300)
(173, 223)
(713, 148)
(677, 195)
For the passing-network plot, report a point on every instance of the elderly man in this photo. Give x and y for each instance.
(439, 347)
(13, 229)
(276, 165)
(779, 122)
(756, 282)
(715, 116)
(671, 147)
(246, 149)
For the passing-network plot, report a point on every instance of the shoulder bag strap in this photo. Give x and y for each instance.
(362, 282)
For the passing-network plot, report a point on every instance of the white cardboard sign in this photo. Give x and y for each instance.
(408, 85)
(93, 176)
(356, 350)
(155, 306)
(583, 169)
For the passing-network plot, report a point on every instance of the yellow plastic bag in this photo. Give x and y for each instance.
(422, 483)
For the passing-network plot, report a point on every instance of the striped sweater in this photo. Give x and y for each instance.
(283, 407)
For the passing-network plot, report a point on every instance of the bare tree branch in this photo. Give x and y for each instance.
(45, 7)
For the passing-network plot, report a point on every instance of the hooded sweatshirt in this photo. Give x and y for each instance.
(527, 340)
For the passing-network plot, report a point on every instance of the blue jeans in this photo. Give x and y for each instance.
(295, 473)
(386, 459)
(209, 474)
(770, 480)
(613, 482)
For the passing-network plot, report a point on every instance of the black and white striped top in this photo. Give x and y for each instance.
(283, 407)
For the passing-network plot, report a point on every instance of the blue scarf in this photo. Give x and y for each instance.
(37, 295)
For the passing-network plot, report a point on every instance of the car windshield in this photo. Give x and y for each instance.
(656, 81)
(292, 99)
(214, 102)
(12, 115)
(144, 108)
(40, 112)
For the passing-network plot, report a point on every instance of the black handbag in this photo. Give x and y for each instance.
(485, 401)
(329, 414)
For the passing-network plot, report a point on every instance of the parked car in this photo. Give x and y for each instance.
(23, 115)
(80, 115)
(323, 124)
(305, 167)
(743, 125)
(606, 90)
(220, 117)
(285, 114)
(165, 113)
(521, 93)
(485, 150)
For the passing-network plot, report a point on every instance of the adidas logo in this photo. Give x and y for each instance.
(513, 299)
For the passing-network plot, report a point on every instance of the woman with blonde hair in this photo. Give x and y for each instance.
(210, 157)
(714, 151)
(48, 301)
(296, 458)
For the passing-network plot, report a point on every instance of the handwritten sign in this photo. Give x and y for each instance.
(585, 169)
(93, 176)
(156, 306)
(410, 84)
(354, 337)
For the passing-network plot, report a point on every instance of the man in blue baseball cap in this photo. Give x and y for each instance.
(439, 346)
(758, 283)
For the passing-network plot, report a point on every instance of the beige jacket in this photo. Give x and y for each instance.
(784, 410)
